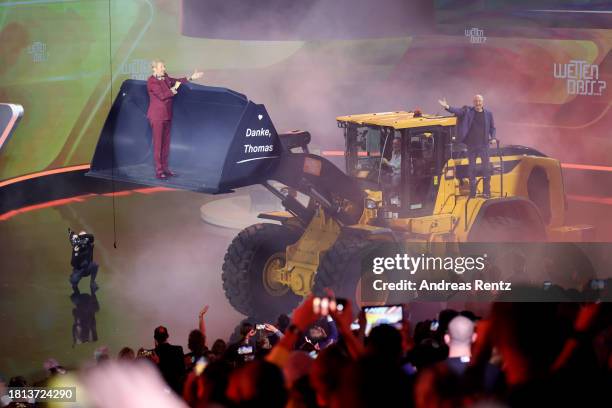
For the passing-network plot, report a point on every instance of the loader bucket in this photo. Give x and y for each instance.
(219, 140)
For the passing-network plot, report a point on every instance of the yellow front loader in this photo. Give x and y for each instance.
(221, 141)
(268, 268)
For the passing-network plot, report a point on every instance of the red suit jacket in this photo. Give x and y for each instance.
(160, 97)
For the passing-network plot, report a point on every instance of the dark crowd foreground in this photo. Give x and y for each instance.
(522, 354)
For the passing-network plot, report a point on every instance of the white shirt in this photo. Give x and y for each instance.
(396, 162)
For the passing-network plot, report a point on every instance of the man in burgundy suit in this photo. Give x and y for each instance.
(162, 89)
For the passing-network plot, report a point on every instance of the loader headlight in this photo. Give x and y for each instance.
(371, 204)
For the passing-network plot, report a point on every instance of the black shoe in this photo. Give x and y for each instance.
(170, 173)
(93, 286)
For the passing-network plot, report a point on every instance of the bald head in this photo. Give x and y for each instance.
(478, 102)
(460, 331)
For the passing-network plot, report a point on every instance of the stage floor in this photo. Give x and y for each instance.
(166, 266)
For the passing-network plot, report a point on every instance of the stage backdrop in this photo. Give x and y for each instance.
(543, 66)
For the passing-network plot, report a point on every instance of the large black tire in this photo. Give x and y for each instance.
(503, 228)
(538, 191)
(507, 258)
(525, 257)
(243, 271)
(341, 270)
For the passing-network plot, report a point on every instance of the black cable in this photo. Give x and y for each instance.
(110, 65)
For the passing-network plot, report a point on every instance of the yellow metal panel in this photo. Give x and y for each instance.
(433, 224)
(364, 228)
(280, 214)
(473, 205)
(515, 184)
(452, 199)
(398, 120)
(303, 257)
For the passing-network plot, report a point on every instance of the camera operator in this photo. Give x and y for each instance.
(82, 259)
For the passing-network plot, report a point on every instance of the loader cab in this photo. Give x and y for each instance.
(367, 147)
(426, 150)
(421, 148)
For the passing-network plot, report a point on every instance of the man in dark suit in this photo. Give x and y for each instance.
(171, 363)
(161, 89)
(476, 129)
